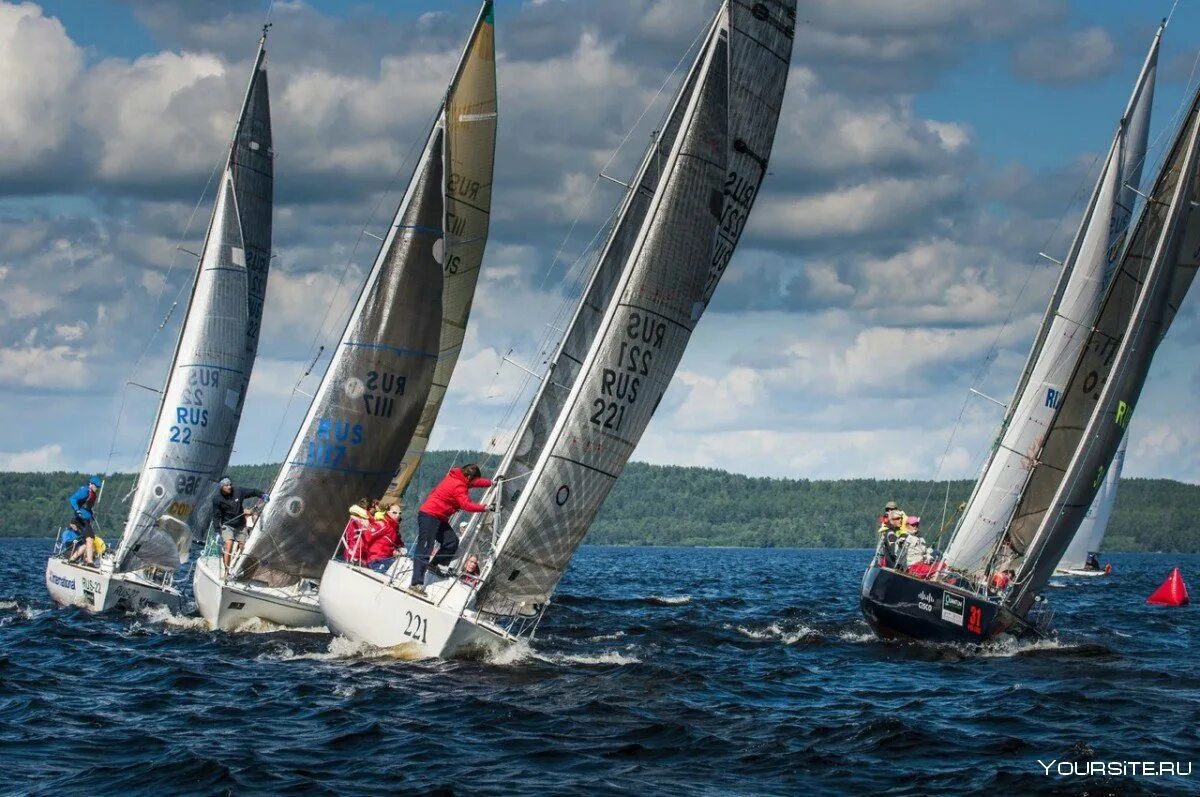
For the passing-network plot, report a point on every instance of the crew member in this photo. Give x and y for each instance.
(433, 519)
(382, 538)
(230, 515)
(83, 503)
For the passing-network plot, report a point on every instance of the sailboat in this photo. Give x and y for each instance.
(381, 392)
(201, 404)
(1082, 558)
(1069, 414)
(671, 240)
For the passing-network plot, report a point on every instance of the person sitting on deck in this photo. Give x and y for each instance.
(381, 539)
(1092, 563)
(229, 513)
(1001, 579)
(433, 520)
(888, 509)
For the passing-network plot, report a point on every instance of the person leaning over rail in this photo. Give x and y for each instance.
(433, 520)
(229, 514)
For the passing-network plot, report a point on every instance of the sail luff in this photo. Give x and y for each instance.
(469, 143)
(370, 396)
(1120, 373)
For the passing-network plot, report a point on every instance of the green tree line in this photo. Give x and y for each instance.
(671, 505)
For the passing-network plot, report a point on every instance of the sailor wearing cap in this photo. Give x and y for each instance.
(230, 515)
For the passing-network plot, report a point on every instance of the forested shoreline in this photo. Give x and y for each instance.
(671, 505)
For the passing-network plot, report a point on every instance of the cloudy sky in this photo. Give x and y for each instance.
(927, 152)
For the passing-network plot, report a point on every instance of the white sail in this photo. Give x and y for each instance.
(1095, 523)
(1085, 275)
(711, 177)
(206, 385)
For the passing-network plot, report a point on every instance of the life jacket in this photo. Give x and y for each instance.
(352, 547)
(451, 495)
(99, 545)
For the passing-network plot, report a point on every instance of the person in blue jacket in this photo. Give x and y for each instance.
(83, 502)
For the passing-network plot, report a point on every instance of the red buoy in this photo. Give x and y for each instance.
(1173, 591)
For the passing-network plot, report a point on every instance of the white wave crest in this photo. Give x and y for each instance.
(257, 625)
(8, 605)
(606, 637)
(343, 649)
(670, 600)
(609, 657)
(164, 616)
(516, 653)
(775, 631)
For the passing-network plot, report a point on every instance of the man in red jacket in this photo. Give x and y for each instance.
(433, 519)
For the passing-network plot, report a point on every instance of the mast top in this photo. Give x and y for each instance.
(266, 27)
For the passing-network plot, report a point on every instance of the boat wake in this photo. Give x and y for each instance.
(162, 615)
(342, 649)
(257, 625)
(776, 632)
(11, 611)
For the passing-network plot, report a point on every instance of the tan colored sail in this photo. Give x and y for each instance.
(469, 155)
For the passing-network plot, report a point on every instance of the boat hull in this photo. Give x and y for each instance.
(98, 589)
(364, 606)
(900, 606)
(228, 605)
(1080, 573)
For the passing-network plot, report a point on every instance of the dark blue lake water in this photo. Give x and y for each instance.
(657, 671)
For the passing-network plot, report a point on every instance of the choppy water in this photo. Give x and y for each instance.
(658, 671)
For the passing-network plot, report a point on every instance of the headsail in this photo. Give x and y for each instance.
(727, 115)
(1061, 337)
(470, 144)
(1155, 274)
(206, 386)
(370, 399)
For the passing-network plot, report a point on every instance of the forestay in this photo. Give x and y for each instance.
(1099, 400)
(370, 399)
(713, 169)
(206, 386)
(470, 144)
(1073, 305)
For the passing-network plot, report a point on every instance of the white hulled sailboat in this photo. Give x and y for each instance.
(205, 389)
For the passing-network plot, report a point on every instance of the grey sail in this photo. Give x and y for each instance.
(370, 399)
(206, 386)
(531, 436)
(691, 226)
(1155, 274)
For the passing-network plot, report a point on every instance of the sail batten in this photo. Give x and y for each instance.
(202, 401)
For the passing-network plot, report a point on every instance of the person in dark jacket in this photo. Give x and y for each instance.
(433, 519)
(230, 516)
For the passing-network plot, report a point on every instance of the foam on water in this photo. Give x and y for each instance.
(257, 625)
(668, 600)
(776, 632)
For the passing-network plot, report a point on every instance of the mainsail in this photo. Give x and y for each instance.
(676, 232)
(1073, 305)
(1155, 274)
(206, 386)
(376, 391)
(470, 136)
